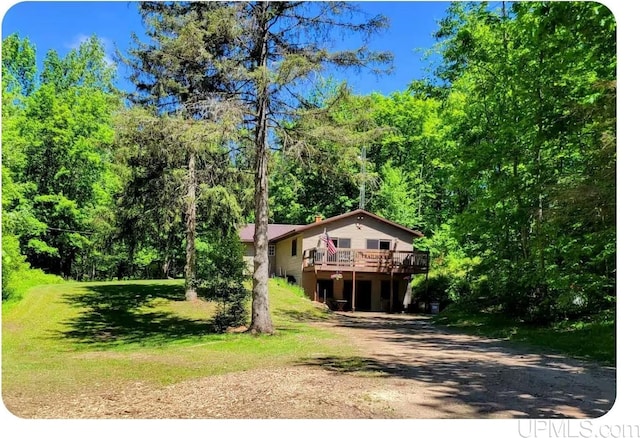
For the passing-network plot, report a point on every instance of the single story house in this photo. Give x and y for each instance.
(354, 261)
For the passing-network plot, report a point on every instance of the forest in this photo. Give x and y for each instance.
(503, 155)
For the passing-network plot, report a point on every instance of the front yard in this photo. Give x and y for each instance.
(72, 338)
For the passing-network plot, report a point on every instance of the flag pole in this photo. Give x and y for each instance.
(326, 246)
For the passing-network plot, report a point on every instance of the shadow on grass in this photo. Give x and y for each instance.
(302, 315)
(116, 314)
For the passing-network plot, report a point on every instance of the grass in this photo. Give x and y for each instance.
(593, 340)
(21, 282)
(69, 337)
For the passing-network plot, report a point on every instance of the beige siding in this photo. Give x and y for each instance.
(359, 232)
(286, 264)
(356, 230)
(249, 254)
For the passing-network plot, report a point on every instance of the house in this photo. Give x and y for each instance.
(369, 267)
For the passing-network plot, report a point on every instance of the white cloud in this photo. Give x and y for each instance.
(107, 44)
(77, 41)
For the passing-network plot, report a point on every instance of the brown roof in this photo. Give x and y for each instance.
(273, 231)
(277, 232)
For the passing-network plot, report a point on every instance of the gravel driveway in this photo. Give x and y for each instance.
(432, 373)
(404, 368)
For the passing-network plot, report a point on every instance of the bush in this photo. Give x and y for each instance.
(17, 276)
(13, 264)
(232, 311)
(220, 278)
(430, 290)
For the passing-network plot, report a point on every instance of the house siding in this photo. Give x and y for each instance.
(249, 255)
(359, 232)
(309, 285)
(285, 263)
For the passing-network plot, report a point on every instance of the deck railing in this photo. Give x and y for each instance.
(381, 260)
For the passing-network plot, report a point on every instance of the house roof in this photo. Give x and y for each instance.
(278, 232)
(273, 231)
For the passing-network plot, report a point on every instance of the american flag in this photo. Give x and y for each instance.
(331, 248)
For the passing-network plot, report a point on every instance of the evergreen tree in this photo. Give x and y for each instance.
(178, 76)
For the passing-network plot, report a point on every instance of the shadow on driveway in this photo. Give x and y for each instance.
(487, 376)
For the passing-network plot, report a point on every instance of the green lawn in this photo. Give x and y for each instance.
(592, 340)
(67, 337)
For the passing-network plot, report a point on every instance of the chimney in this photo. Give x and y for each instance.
(318, 218)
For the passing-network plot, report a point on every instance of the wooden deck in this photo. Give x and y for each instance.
(366, 260)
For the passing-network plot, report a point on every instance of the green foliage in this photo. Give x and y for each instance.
(533, 131)
(182, 128)
(451, 270)
(220, 277)
(319, 171)
(396, 198)
(57, 202)
(13, 264)
(18, 66)
(413, 146)
(17, 275)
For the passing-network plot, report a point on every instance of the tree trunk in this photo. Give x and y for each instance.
(190, 267)
(260, 315)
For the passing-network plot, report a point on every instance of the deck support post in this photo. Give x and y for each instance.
(391, 295)
(316, 292)
(353, 291)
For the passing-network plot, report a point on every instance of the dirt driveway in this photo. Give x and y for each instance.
(431, 373)
(405, 368)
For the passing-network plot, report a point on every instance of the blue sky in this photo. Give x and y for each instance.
(63, 25)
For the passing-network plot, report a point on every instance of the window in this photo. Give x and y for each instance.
(342, 243)
(294, 247)
(272, 250)
(378, 244)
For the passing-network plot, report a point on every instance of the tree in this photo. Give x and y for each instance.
(320, 168)
(396, 197)
(529, 104)
(177, 76)
(414, 145)
(62, 123)
(18, 76)
(255, 53)
(282, 44)
(19, 68)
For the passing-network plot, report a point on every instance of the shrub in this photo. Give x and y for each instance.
(220, 278)
(432, 289)
(17, 276)
(13, 264)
